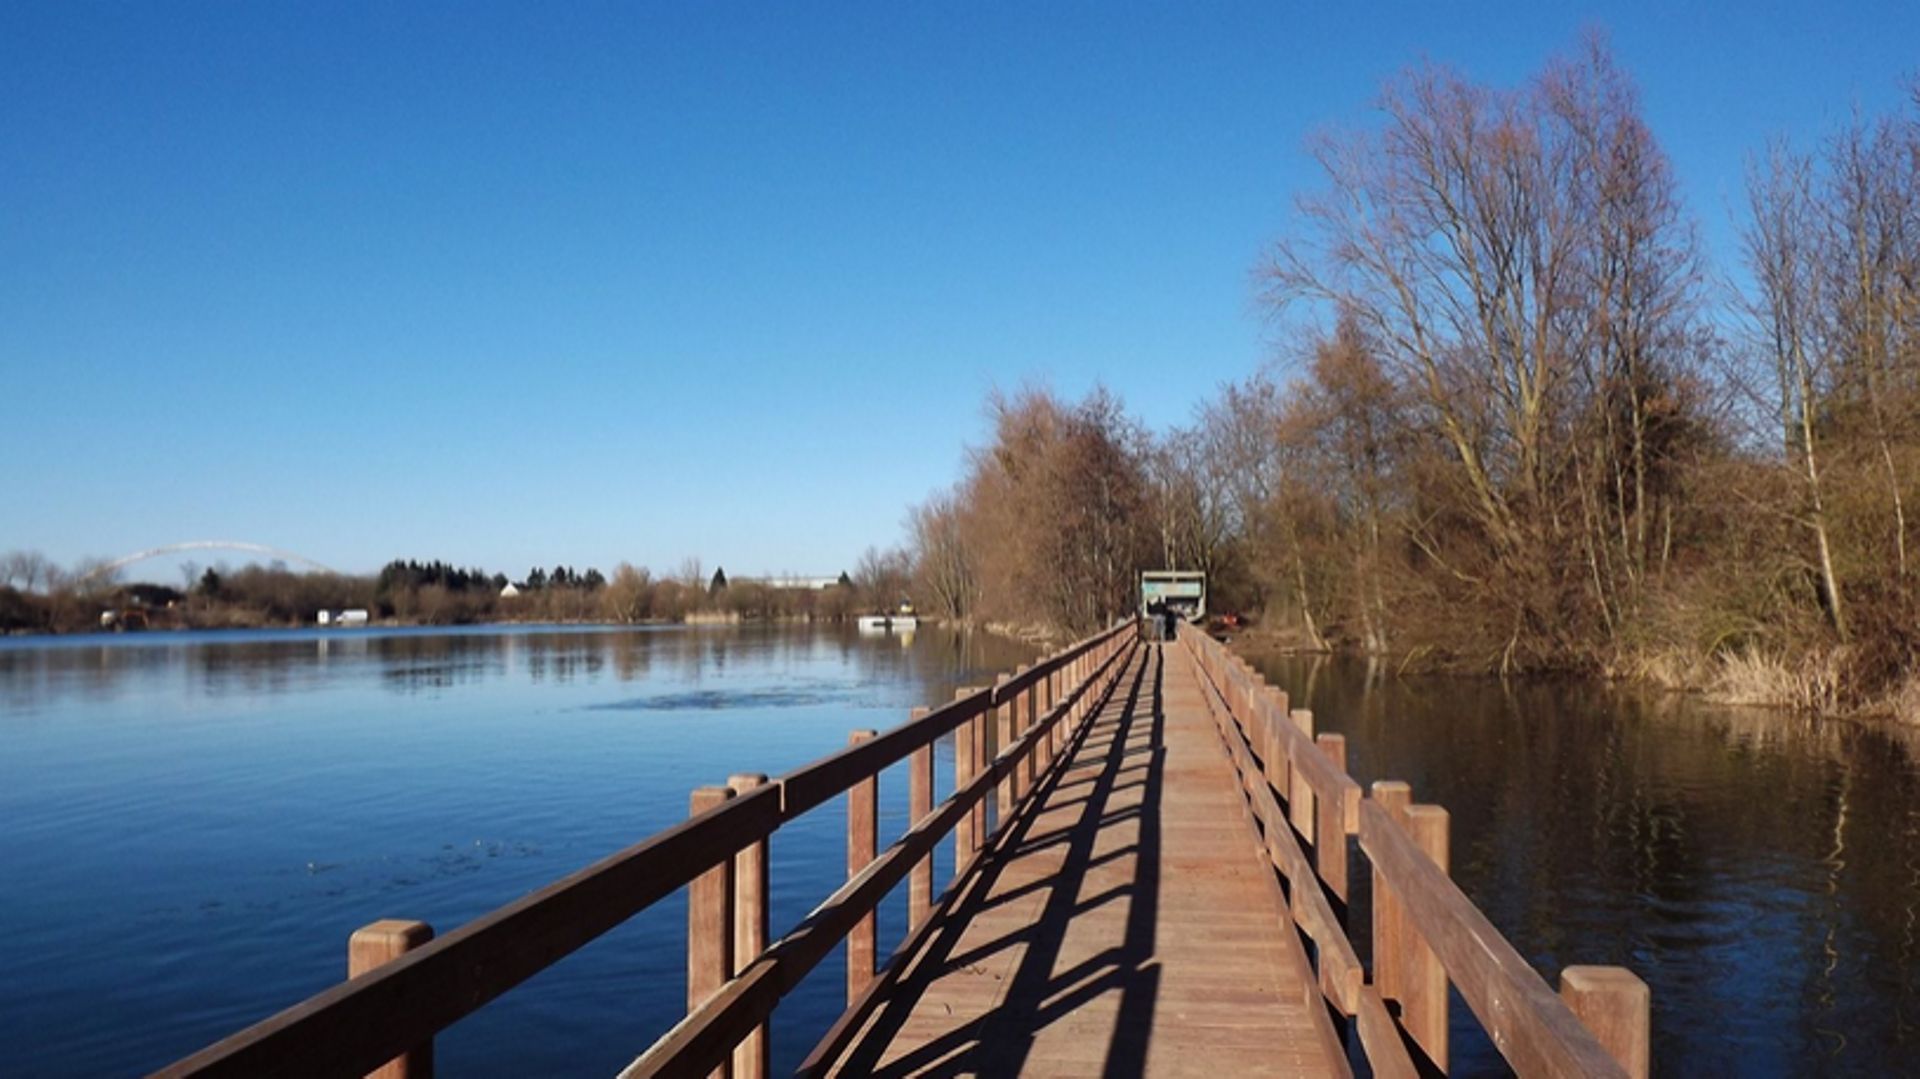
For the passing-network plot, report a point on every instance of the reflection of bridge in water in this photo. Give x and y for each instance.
(1155, 860)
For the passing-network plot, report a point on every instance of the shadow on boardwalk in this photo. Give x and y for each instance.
(1092, 852)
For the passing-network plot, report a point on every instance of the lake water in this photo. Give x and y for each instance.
(191, 825)
(1761, 871)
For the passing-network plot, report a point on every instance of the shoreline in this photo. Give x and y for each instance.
(1735, 684)
(396, 623)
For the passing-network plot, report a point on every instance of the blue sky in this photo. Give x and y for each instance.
(637, 282)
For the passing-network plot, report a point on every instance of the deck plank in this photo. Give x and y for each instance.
(1126, 927)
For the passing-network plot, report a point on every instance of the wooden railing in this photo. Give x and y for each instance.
(405, 987)
(1426, 932)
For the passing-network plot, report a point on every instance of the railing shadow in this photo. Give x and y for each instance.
(1120, 751)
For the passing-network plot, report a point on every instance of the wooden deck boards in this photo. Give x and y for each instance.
(1125, 926)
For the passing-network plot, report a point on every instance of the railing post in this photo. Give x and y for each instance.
(980, 759)
(1247, 722)
(919, 804)
(1032, 761)
(378, 944)
(1300, 792)
(1063, 689)
(752, 1058)
(1083, 679)
(1616, 1005)
(1274, 752)
(1056, 738)
(710, 922)
(1330, 839)
(1008, 789)
(964, 836)
(1029, 718)
(1049, 692)
(1423, 1008)
(863, 846)
(1389, 932)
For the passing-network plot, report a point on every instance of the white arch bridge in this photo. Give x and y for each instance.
(119, 564)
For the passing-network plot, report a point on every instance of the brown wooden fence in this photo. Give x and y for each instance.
(1426, 933)
(405, 987)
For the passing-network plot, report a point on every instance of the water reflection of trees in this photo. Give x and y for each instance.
(218, 666)
(1753, 865)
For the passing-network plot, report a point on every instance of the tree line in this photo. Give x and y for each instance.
(37, 595)
(1521, 422)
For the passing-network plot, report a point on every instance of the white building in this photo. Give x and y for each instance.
(803, 584)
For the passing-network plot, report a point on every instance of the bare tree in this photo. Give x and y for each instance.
(943, 561)
(28, 571)
(1786, 312)
(1518, 263)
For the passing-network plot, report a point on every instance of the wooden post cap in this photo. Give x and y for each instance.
(1429, 825)
(1393, 793)
(1617, 1006)
(705, 798)
(381, 942)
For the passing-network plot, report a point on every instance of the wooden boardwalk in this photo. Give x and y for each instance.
(1124, 926)
(1125, 920)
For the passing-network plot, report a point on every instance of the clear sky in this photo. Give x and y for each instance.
(584, 283)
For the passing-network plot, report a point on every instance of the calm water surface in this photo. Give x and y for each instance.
(1760, 871)
(192, 824)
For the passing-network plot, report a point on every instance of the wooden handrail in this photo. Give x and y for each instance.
(1535, 1030)
(360, 1024)
(1532, 1027)
(702, 1039)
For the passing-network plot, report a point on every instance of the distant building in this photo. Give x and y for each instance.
(510, 591)
(356, 616)
(803, 584)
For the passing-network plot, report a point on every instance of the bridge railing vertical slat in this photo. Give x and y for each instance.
(710, 922)
(963, 832)
(1330, 833)
(1008, 788)
(376, 945)
(1423, 978)
(863, 845)
(752, 1058)
(1389, 934)
(919, 804)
